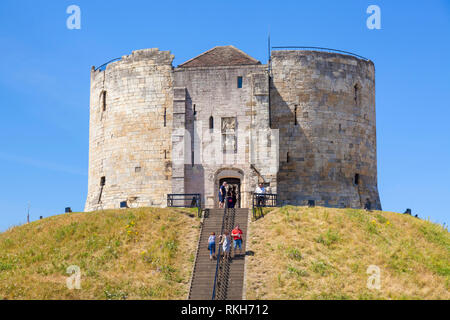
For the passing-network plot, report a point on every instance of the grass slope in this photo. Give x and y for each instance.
(321, 253)
(143, 253)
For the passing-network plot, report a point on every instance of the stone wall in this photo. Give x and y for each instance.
(205, 92)
(308, 131)
(324, 106)
(130, 131)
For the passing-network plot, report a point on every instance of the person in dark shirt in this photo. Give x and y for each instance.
(222, 194)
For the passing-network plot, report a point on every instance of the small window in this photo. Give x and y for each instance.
(295, 115)
(104, 100)
(102, 181)
(287, 157)
(165, 117)
(356, 93)
(195, 110)
(356, 181)
(165, 154)
(239, 82)
(211, 122)
(137, 169)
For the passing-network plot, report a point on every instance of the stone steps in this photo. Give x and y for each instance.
(202, 282)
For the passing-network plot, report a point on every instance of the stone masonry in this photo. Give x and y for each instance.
(304, 125)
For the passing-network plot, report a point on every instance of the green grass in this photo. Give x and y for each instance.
(123, 254)
(324, 253)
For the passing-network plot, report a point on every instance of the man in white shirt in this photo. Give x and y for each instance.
(260, 191)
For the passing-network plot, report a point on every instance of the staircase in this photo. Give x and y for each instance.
(231, 273)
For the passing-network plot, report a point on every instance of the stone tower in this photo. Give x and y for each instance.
(324, 107)
(130, 131)
(304, 125)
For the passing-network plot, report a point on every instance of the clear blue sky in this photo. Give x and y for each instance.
(45, 74)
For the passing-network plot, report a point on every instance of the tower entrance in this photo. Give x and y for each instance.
(233, 188)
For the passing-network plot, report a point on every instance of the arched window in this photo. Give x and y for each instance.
(211, 122)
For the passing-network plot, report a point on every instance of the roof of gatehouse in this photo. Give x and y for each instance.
(220, 56)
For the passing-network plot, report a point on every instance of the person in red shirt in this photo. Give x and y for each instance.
(237, 239)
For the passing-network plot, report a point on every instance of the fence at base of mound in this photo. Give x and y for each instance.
(185, 200)
(263, 200)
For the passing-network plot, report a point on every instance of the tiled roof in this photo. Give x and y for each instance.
(220, 56)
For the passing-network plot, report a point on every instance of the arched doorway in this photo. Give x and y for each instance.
(234, 184)
(234, 178)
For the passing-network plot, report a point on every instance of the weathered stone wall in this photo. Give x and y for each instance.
(202, 92)
(332, 96)
(130, 142)
(321, 107)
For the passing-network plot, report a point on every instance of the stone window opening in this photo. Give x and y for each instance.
(192, 158)
(103, 100)
(165, 154)
(165, 117)
(356, 179)
(356, 93)
(137, 169)
(287, 157)
(102, 184)
(195, 111)
(295, 115)
(211, 123)
(239, 82)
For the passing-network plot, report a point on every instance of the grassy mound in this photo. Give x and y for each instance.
(321, 253)
(143, 253)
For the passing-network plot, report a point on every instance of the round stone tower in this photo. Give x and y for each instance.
(324, 107)
(130, 131)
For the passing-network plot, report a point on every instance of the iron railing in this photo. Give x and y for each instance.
(219, 251)
(185, 200)
(323, 49)
(263, 200)
(103, 66)
(221, 278)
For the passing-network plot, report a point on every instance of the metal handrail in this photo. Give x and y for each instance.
(220, 247)
(103, 66)
(270, 200)
(324, 49)
(194, 198)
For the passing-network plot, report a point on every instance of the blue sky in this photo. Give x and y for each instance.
(45, 74)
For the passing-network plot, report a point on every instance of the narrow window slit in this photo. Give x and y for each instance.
(104, 100)
(356, 181)
(165, 117)
(239, 82)
(295, 115)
